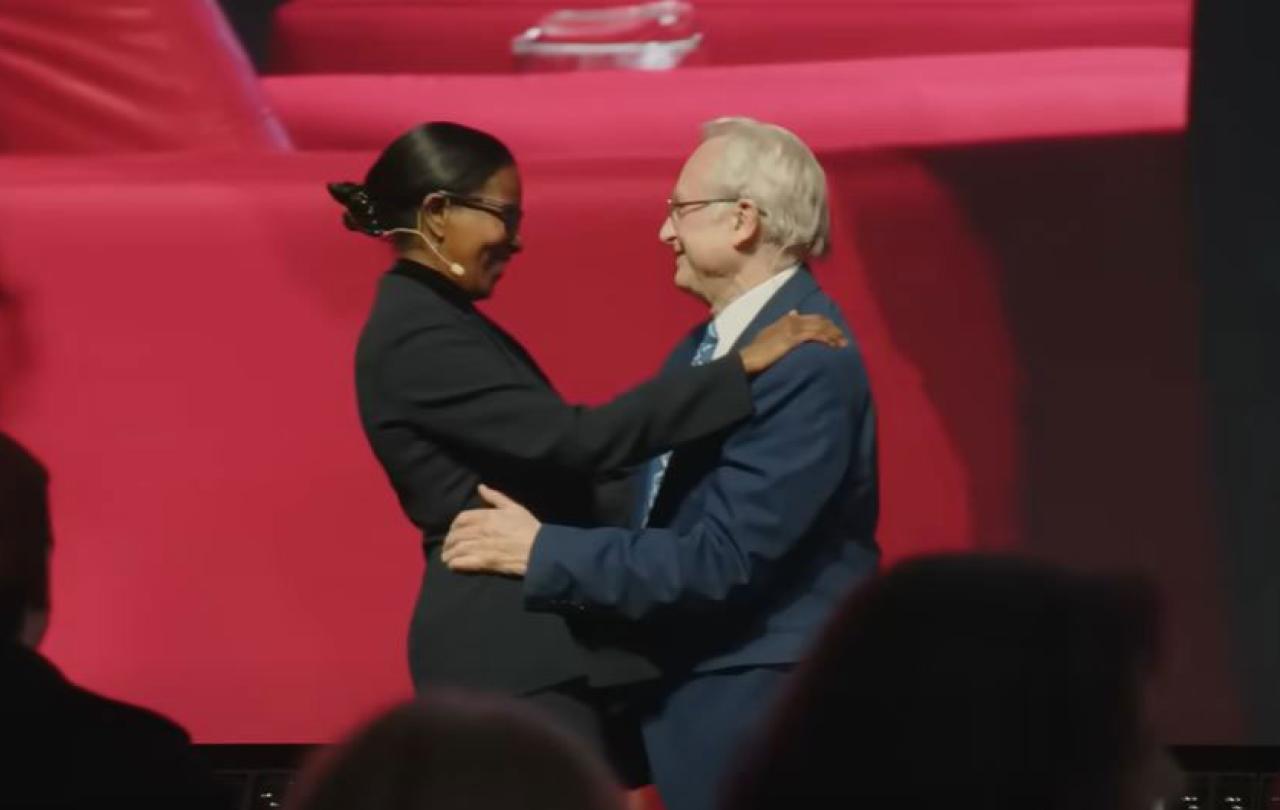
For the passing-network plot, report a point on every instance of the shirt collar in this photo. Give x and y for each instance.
(734, 319)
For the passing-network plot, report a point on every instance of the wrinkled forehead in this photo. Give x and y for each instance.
(700, 175)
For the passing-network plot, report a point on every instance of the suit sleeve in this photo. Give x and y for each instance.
(451, 386)
(774, 476)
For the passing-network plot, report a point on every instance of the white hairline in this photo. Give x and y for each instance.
(773, 168)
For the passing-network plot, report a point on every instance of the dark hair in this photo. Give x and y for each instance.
(452, 749)
(438, 156)
(964, 681)
(25, 536)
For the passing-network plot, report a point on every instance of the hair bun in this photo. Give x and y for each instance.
(361, 214)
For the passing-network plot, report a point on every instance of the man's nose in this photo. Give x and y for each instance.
(667, 233)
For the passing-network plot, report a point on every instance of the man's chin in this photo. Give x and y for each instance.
(684, 282)
(683, 279)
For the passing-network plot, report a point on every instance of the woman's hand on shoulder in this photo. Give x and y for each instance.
(791, 330)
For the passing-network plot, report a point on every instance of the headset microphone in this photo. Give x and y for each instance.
(454, 267)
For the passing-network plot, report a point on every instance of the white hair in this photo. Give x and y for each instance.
(774, 169)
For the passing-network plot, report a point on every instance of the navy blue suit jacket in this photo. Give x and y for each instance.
(757, 532)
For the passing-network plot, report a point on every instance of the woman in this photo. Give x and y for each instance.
(449, 400)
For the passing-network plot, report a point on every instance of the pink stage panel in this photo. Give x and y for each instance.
(229, 552)
(832, 105)
(1009, 246)
(110, 76)
(428, 36)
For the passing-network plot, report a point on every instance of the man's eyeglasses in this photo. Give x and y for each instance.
(676, 207)
(510, 214)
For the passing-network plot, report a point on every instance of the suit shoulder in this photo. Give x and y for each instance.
(817, 360)
(127, 721)
(814, 369)
(402, 302)
(403, 310)
(38, 687)
(818, 302)
(691, 337)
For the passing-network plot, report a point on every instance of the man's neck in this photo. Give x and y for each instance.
(747, 279)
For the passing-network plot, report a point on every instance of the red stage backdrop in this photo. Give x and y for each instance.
(176, 331)
(229, 553)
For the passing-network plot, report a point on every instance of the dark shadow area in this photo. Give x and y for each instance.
(1238, 777)
(1087, 239)
(256, 776)
(260, 775)
(931, 281)
(1235, 129)
(1084, 245)
(251, 20)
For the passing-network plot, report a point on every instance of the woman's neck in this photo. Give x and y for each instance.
(420, 255)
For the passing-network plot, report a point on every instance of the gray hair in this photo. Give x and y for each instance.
(774, 169)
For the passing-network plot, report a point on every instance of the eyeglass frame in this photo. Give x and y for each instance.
(674, 205)
(510, 214)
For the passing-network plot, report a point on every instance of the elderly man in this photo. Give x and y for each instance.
(741, 545)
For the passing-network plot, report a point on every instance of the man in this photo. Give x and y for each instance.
(67, 747)
(744, 543)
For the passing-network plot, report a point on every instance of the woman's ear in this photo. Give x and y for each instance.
(434, 212)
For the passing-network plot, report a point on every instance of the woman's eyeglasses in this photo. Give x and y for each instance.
(510, 214)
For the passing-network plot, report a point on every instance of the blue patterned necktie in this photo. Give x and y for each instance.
(658, 467)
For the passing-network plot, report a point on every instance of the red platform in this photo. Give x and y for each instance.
(832, 105)
(127, 76)
(474, 36)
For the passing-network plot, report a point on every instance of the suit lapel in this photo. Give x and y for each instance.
(685, 460)
(681, 356)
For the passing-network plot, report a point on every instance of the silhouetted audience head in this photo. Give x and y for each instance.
(976, 682)
(66, 746)
(451, 750)
(25, 543)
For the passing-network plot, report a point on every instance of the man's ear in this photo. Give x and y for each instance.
(746, 224)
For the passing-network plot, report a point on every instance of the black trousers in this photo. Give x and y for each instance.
(606, 719)
(682, 734)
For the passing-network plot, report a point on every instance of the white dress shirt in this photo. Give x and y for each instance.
(734, 319)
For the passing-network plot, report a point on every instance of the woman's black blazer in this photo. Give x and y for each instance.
(448, 400)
